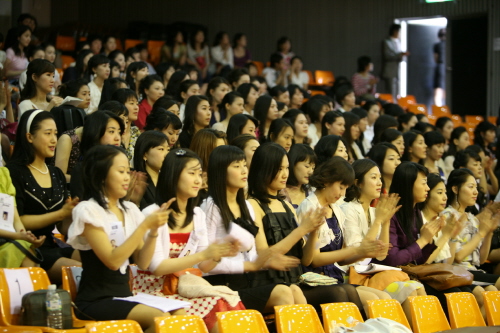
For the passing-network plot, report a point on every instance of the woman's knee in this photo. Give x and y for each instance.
(282, 294)
(145, 315)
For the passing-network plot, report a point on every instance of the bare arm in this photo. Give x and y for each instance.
(63, 152)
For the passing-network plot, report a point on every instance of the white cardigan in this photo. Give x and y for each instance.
(197, 241)
(356, 225)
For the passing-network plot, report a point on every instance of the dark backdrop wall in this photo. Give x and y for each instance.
(328, 34)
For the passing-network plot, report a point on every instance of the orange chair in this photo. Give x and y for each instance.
(259, 65)
(493, 119)
(470, 130)
(325, 78)
(463, 310)
(114, 326)
(119, 45)
(387, 308)
(131, 43)
(311, 78)
(417, 108)
(65, 43)
(404, 102)
(457, 120)
(473, 120)
(67, 61)
(39, 280)
(60, 71)
(441, 111)
(317, 92)
(25, 329)
(187, 324)
(386, 97)
(432, 119)
(297, 318)
(70, 280)
(241, 321)
(427, 314)
(492, 307)
(343, 313)
(154, 49)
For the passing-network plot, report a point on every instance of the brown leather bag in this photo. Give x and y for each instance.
(171, 282)
(440, 276)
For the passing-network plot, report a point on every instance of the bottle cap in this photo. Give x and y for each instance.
(52, 287)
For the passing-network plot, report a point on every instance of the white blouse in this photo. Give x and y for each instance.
(197, 242)
(90, 212)
(356, 224)
(217, 232)
(445, 252)
(95, 97)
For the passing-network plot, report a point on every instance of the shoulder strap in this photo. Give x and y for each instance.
(273, 223)
(38, 259)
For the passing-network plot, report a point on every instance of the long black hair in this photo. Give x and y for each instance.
(261, 110)
(361, 168)
(455, 135)
(146, 141)
(96, 164)
(220, 159)
(237, 123)
(261, 175)
(326, 147)
(406, 174)
(37, 67)
(299, 153)
(190, 112)
(94, 128)
(168, 180)
(457, 178)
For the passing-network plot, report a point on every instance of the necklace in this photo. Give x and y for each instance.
(42, 172)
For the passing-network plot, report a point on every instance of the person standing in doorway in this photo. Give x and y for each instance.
(440, 70)
(392, 56)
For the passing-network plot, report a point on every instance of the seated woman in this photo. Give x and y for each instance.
(364, 83)
(351, 135)
(108, 231)
(39, 82)
(41, 195)
(186, 89)
(330, 146)
(302, 163)
(280, 94)
(18, 39)
(167, 103)
(297, 76)
(276, 219)
(296, 95)
(151, 88)
(407, 121)
(231, 105)
(459, 140)
(344, 96)
(316, 110)
(136, 71)
(333, 123)
(381, 124)
(183, 241)
(387, 158)
(415, 147)
(229, 215)
(10, 255)
(217, 88)
(68, 145)
(241, 124)
(373, 110)
(150, 151)
(299, 121)
(248, 144)
(394, 137)
(250, 93)
(166, 122)
(471, 160)
(435, 149)
(281, 132)
(266, 110)
(197, 117)
(98, 67)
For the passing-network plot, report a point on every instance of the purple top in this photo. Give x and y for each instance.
(402, 252)
(241, 62)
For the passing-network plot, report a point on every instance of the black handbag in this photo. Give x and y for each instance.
(34, 308)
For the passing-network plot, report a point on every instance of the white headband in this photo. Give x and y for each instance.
(30, 119)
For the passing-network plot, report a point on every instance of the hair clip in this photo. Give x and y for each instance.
(180, 152)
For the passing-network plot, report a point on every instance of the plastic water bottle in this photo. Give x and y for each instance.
(54, 308)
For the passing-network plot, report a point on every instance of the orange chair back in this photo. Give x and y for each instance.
(404, 102)
(417, 108)
(119, 45)
(65, 43)
(71, 279)
(473, 120)
(492, 307)
(427, 314)
(297, 318)
(66, 61)
(457, 120)
(325, 78)
(387, 308)
(60, 71)
(259, 65)
(463, 310)
(386, 97)
(154, 49)
(38, 280)
(114, 326)
(493, 119)
(186, 324)
(250, 321)
(131, 43)
(311, 77)
(317, 92)
(441, 111)
(342, 313)
(432, 119)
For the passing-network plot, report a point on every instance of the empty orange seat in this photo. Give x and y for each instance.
(114, 326)
(457, 120)
(311, 77)
(493, 119)
(67, 61)
(463, 310)
(386, 97)
(154, 49)
(317, 92)
(325, 78)
(119, 45)
(342, 313)
(65, 43)
(404, 102)
(427, 314)
(432, 119)
(297, 318)
(441, 111)
(259, 65)
(473, 119)
(131, 43)
(492, 307)
(387, 308)
(417, 108)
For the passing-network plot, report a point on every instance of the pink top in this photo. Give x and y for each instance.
(17, 63)
(361, 84)
(144, 111)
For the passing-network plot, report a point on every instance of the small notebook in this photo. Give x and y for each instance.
(72, 101)
(374, 268)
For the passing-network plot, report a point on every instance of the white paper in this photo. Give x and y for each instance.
(72, 101)
(77, 275)
(19, 282)
(7, 212)
(374, 268)
(161, 303)
(117, 235)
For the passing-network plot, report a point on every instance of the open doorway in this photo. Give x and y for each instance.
(418, 70)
